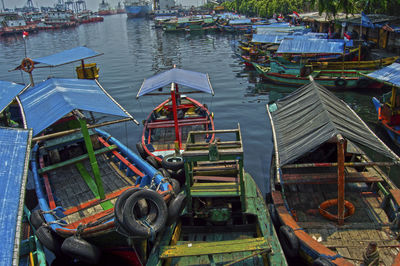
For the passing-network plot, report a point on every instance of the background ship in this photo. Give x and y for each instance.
(137, 8)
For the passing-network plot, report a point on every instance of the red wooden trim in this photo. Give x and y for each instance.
(52, 204)
(91, 203)
(328, 178)
(125, 161)
(396, 195)
(89, 219)
(181, 122)
(305, 238)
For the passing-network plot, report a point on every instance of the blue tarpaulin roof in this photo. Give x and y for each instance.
(50, 100)
(389, 74)
(15, 145)
(311, 46)
(239, 21)
(191, 79)
(8, 91)
(67, 56)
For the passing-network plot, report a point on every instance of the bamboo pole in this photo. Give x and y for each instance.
(66, 132)
(341, 181)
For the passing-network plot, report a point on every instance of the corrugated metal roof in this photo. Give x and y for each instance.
(14, 158)
(50, 100)
(191, 79)
(389, 74)
(8, 91)
(313, 46)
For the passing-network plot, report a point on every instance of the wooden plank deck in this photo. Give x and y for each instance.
(369, 222)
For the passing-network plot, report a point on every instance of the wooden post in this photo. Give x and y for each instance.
(92, 158)
(83, 69)
(175, 113)
(341, 181)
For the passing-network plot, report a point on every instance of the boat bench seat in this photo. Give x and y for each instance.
(181, 122)
(76, 159)
(225, 189)
(217, 247)
(329, 178)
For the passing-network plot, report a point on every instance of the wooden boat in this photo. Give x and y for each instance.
(318, 165)
(170, 122)
(84, 178)
(388, 114)
(333, 79)
(225, 220)
(371, 64)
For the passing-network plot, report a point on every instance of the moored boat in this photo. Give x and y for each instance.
(137, 8)
(168, 125)
(222, 218)
(333, 204)
(388, 114)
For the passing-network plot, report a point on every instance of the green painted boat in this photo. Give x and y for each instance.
(332, 79)
(224, 220)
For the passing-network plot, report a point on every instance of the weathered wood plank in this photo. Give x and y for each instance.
(219, 247)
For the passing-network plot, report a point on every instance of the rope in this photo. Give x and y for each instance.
(151, 229)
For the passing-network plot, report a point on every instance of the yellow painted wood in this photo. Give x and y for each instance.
(219, 247)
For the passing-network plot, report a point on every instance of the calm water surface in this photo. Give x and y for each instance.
(134, 50)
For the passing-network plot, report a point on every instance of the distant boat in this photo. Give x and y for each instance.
(12, 23)
(105, 9)
(137, 9)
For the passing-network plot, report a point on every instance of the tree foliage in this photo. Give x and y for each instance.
(267, 8)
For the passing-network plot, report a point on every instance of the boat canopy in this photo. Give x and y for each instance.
(50, 100)
(312, 115)
(310, 46)
(8, 91)
(14, 158)
(268, 38)
(191, 79)
(240, 21)
(389, 74)
(67, 56)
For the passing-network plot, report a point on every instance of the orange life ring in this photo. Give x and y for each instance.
(27, 65)
(350, 209)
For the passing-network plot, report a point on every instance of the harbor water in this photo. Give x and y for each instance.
(134, 50)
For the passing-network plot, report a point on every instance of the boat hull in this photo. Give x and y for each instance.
(133, 11)
(393, 131)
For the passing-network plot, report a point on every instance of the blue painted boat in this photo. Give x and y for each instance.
(137, 9)
(388, 114)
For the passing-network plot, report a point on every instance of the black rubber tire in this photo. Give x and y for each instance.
(175, 208)
(120, 203)
(37, 219)
(289, 241)
(172, 162)
(164, 172)
(141, 151)
(153, 161)
(180, 176)
(80, 249)
(155, 200)
(274, 215)
(362, 83)
(320, 261)
(175, 186)
(340, 83)
(49, 239)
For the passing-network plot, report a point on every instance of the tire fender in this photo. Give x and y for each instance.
(153, 161)
(80, 249)
(172, 162)
(289, 241)
(175, 208)
(120, 203)
(49, 239)
(158, 207)
(141, 151)
(340, 83)
(37, 219)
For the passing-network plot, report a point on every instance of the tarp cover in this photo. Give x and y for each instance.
(311, 116)
(50, 100)
(67, 56)
(8, 91)
(310, 46)
(279, 30)
(191, 79)
(389, 74)
(13, 173)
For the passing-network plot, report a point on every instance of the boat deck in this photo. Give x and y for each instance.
(70, 189)
(368, 223)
